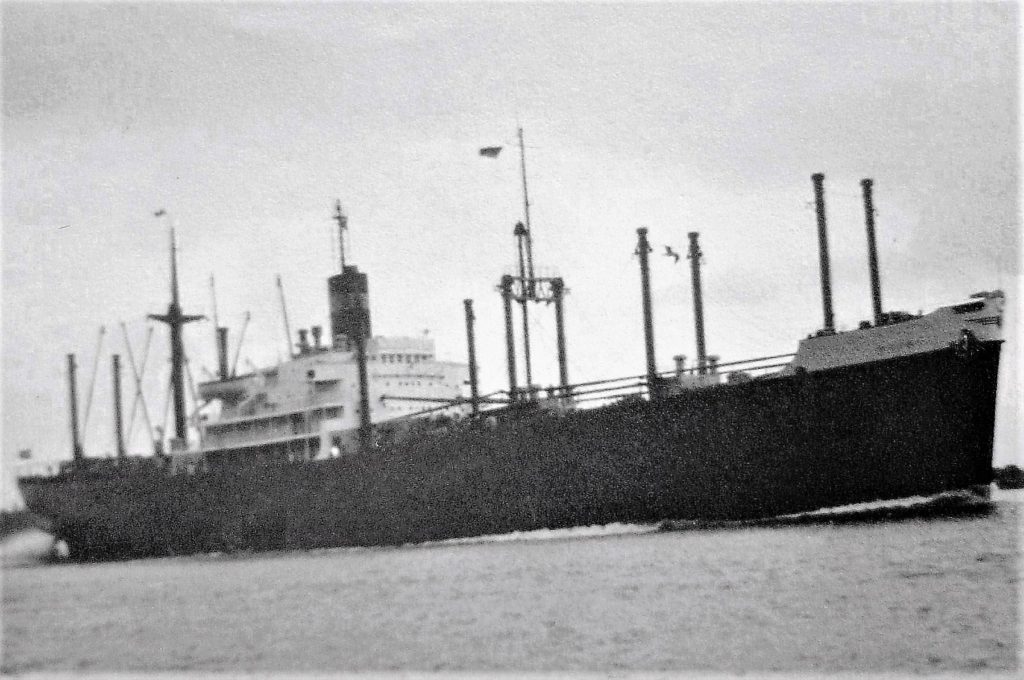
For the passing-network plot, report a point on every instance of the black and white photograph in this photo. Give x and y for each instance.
(586, 339)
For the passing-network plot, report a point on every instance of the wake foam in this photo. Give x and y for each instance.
(596, 531)
(946, 504)
(31, 546)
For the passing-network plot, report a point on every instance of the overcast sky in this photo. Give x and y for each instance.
(246, 122)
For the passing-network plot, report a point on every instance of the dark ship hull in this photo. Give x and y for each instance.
(908, 426)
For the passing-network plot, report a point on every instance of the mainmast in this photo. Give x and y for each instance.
(176, 320)
(530, 288)
(526, 211)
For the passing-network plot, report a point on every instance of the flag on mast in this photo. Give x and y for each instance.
(490, 151)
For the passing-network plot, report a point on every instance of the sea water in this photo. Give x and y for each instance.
(909, 595)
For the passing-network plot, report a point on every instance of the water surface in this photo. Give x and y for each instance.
(913, 595)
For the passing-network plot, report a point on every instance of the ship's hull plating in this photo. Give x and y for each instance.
(916, 425)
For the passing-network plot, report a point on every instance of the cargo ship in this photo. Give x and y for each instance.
(307, 454)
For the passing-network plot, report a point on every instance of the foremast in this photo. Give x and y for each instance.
(176, 321)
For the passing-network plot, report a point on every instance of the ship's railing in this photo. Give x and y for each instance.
(671, 381)
(87, 465)
(37, 468)
(306, 407)
(609, 390)
(257, 433)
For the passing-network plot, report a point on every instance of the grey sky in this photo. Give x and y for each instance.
(246, 121)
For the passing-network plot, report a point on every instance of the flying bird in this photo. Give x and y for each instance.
(671, 253)
(160, 213)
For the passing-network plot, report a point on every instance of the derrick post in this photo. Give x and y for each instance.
(178, 382)
(474, 395)
(118, 424)
(869, 220)
(76, 444)
(365, 427)
(826, 276)
(222, 353)
(643, 249)
(698, 301)
(558, 292)
(510, 343)
(526, 279)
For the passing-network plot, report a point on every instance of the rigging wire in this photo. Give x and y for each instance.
(92, 381)
(137, 374)
(197, 422)
(241, 339)
(167, 408)
(213, 297)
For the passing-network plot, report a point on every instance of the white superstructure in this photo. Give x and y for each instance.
(308, 407)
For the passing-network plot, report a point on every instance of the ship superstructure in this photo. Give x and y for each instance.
(311, 406)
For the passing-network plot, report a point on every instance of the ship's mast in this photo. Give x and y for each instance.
(524, 235)
(818, 179)
(643, 249)
(526, 212)
(694, 256)
(349, 297)
(342, 220)
(530, 288)
(76, 442)
(869, 221)
(176, 321)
